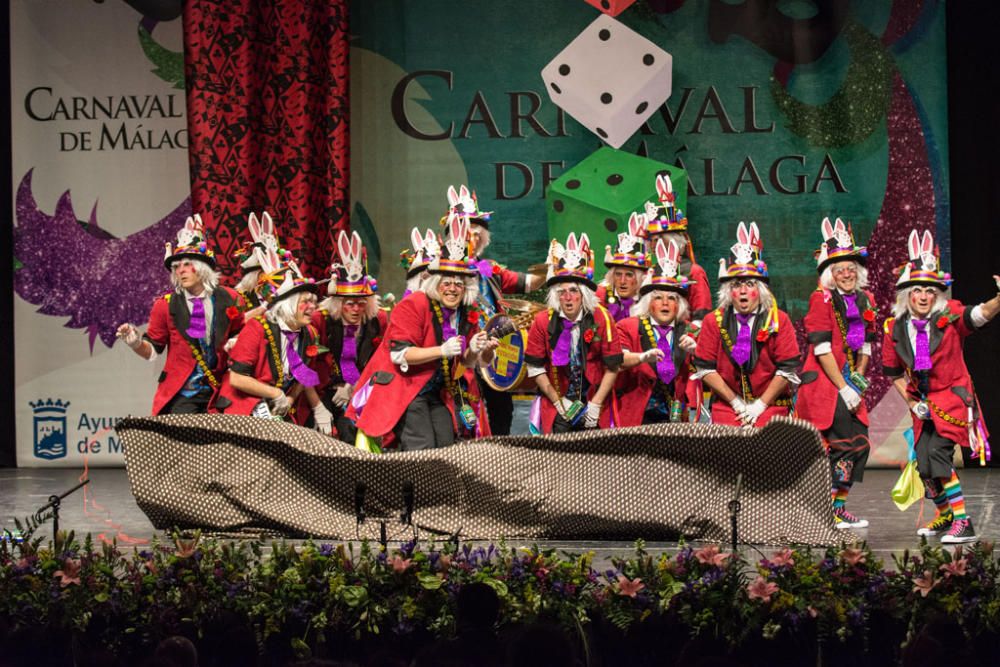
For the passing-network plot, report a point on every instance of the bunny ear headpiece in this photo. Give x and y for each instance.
(464, 203)
(454, 258)
(922, 268)
(349, 276)
(425, 250)
(744, 256)
(838, 245)
(191, 244)
(262, 236)
(631, 250)
(663, 274)
(280, 276)
(664, 216)
(573, 263)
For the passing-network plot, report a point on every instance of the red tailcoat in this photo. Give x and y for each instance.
(699, 294)
(817, 395)
(947, 386)
(255, 356)
(168, 324)
(413, 323)
(603, 351)
(635, 385)
(331, 336)
(778, 351)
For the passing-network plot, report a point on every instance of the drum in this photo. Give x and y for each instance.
(508, 369)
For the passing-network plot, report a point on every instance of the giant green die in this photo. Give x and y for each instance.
(598, 195)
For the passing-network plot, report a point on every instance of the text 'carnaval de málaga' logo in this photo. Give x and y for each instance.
(50, 428)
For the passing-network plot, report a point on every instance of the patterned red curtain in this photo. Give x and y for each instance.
(267, 98)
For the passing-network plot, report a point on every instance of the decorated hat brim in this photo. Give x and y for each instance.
(416, 270)
(743, 276)
(208, 259)
(304, 287)
(626, 265)
(854, 256)
(923, 282)
(664, 287)
(571, 279)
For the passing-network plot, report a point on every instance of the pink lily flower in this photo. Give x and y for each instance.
(629, 587)
(761, 589)
(70, 574)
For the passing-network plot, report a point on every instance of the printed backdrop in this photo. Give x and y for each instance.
(101, 182)
(809, 110)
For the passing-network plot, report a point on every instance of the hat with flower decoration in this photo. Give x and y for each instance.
(349, 277)
(838, 245)
(572, 263)
(631, 250)
(262, 236)
(665, 216)
(454, 257)
(191, 244)
(425, 249)
(663, 274)
(465, 204)
(923, 266)
(744, 256)
(280, 277)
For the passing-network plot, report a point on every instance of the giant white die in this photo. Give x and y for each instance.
(610, 79)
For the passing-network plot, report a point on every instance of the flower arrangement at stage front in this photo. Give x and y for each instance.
(300, 600)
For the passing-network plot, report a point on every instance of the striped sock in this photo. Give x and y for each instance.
(953, 488)
(839, 493)
(935, 491)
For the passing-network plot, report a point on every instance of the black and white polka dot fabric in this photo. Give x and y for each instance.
(230, 473)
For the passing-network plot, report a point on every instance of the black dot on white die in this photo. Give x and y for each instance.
(648, 59)
(564, 69)
(602, 133)
(615, 179)
(604, 34)
(606, 98)
(642, 107)
(572, 184)
(556, 88)
(611, 224)
(558, 206)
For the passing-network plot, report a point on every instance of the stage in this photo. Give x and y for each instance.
(107, 509)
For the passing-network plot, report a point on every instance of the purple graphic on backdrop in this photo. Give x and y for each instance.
(80, 271)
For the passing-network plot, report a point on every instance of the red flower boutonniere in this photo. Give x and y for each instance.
(473, 316)
(763, 335)
(376, 340)
(869, 315)
(312, 350)
(232, 312)
(588, 336)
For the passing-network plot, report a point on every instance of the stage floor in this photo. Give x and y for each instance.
(106, 509)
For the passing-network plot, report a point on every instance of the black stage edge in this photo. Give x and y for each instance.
(973, 108)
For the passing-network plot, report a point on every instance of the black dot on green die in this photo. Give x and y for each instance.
(604, 34)
(572, 184)
(615, 179)
(611, 224)
(558, 206)
(564, 69)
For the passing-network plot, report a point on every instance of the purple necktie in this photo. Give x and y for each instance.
(196, 328)
(741, 350)
(855, 327)
(448, 331)
(560, 355)
(303, 374)
(665, 369)
(922, 360)
(349, 355)
(620, 309)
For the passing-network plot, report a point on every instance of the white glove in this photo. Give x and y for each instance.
(452, 347)
(593, 415)
(753, 412)
(851, 398)
(563, 405)
(230, 344)
(323, 419)
(688, 343)
(130, 336)
(342, 396)
(922, 410)
(478, 342)
(651, 356)
(279, 405)
(739, 407)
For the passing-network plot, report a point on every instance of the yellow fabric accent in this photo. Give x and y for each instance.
(908, 489)
(887, 325)
(607, 322)
(366, 443)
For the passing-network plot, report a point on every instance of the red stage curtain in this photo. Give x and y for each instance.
(267, 100)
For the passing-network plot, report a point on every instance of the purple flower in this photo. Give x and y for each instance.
(326, 550)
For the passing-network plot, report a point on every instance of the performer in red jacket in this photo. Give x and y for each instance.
(840, 326)
(414, 389)
(495, 280)
(619, 290)
(667, 222)
(573, 350)
(350, 324)
(192, 323)
(747, 353)
(262, 236)
(272, 367)
(657, 346)
(415, 260)
(922, 353)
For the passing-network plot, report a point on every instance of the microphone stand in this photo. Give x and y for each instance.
(54, 503)
(734, 511)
